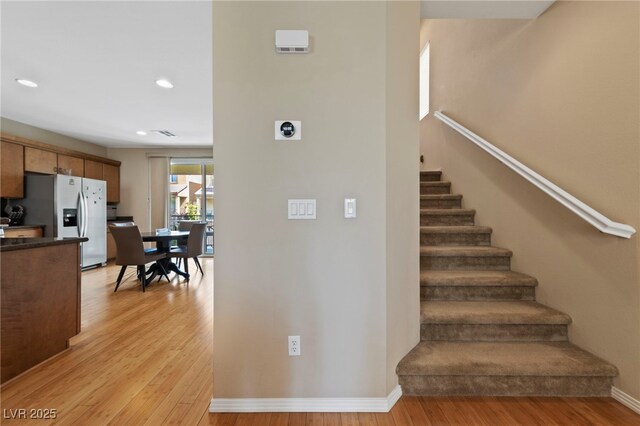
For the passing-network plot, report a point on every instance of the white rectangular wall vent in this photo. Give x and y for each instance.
(292, 41)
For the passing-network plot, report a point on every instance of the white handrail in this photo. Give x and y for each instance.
(597, 219)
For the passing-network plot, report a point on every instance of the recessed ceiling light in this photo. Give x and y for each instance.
(26, 82)
(141, 132)
(164, 83)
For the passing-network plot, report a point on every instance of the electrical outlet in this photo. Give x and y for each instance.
(294, 345)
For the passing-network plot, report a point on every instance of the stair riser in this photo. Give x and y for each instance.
(494, 332)
(447, 220)
(506, 385)
(476, 293)
(448, 263)
(430, 177)
(434, 189)
(448, 203)
(455, 239)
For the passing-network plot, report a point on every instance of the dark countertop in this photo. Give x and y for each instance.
(24, 226)
(121, 219)
(9, 244)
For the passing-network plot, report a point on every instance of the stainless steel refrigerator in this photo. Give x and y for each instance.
(69, 206)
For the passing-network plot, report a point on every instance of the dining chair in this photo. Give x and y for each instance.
(193, 249)
(146, 250)
(185, 226)
(130, 252)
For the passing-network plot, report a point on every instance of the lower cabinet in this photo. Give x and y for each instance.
(40, 312)
(30, 232)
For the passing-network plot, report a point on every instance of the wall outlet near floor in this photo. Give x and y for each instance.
(294, 345)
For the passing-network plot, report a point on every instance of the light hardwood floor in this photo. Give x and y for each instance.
(141, 358)
(147, 359)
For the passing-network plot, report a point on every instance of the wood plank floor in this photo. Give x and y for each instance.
(146, 359)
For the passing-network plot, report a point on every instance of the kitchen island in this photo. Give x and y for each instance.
(40, 300)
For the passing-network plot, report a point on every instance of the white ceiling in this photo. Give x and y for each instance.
(96, 63)
(481, 9)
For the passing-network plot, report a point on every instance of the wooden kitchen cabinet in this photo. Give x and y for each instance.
(23, 232)
(112, 175)
(93, 169)
(40, 161)
(12, 170)
(70, 165)
(19, 155)
(40, 284)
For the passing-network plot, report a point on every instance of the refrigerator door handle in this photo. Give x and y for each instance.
(85, 213)
(80, 222)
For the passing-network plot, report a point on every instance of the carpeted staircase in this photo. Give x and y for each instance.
(482, 333)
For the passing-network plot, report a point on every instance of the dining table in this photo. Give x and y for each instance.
(163, 242)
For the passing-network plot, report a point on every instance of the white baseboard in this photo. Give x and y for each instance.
(309, 405)
(625, 399)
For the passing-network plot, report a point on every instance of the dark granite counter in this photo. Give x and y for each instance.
(10, 244)
(23, 226)
(121, 219)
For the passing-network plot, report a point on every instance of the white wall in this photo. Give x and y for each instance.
(325, 280)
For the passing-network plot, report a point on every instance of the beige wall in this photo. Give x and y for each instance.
(561, 94)
(402, 183)
(37, 134)
(326, 279)
(135, 194)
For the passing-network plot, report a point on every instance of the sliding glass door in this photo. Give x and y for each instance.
(191, 194)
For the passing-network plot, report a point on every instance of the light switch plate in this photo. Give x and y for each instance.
(301, 209)
(295, 137)
(349, 208)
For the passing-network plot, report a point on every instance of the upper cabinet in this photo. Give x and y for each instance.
(69, 165)
(112, 175)
(108, 173)
(93, 169)
(40, 161)
(20, 155)
(11, 170)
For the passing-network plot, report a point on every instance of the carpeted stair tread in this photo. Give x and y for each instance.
(489, 312)
(440, 201)
(441, 197)
(464, 251)
(459, 229)
(436, 183)
(447, 212)
(430, 175)
(476, 278)
(548, 359)
(439, 187)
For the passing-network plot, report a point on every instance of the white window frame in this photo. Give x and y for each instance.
(424, 80)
